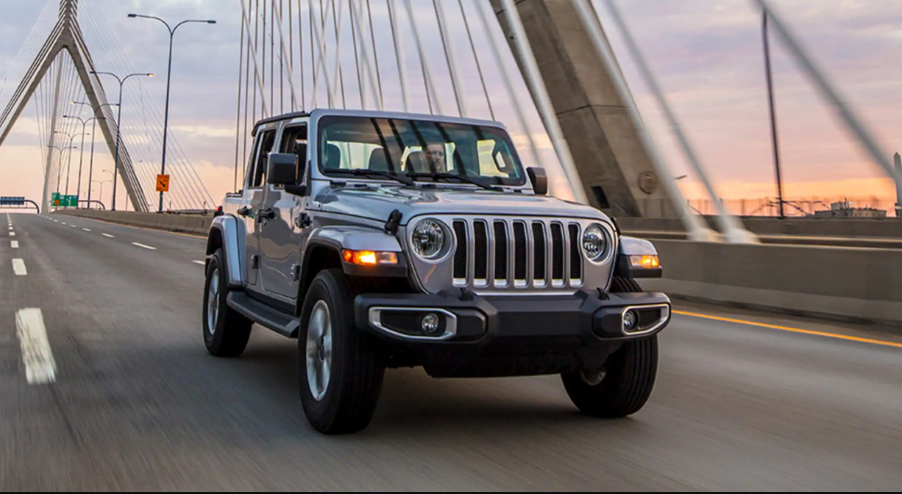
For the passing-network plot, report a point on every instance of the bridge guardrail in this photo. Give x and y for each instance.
(192, 224)
(856, 284)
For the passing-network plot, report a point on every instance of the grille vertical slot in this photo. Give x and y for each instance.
(461, 256)
(576, 259)
(557, 252)
(521, 251)
(481, 247)
(540, 251)
(501, 250)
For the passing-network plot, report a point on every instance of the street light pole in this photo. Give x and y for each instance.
(81, 160)
(93, 140)
(773, 114)
(168, 82)
(119, 125)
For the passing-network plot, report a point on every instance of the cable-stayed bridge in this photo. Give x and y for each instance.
(54, 77)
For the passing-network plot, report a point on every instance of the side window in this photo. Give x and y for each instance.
(294, 141)
(267, 141)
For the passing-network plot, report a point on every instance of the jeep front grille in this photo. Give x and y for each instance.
(501, 253)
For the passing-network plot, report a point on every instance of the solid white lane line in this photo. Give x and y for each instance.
(40, 368)
(136, 244)
(107, 235)
(14, 244)
(19, 267)
(202, 263)
(86, 229)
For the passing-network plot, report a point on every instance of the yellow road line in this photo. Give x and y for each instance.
(792, 330)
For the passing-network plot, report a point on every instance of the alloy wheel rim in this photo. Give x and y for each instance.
(319, 350)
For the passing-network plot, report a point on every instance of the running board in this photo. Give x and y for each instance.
(285, 324)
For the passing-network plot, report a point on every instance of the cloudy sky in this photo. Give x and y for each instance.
(706, 55)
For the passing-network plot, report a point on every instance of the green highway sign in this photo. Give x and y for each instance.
(70, 201)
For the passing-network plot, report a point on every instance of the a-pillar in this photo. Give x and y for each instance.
(614, 167)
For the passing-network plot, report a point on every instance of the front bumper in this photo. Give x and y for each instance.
(510, 336)
(465, 317)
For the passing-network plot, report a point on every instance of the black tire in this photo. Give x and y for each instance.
(231, 332)
(629, 375)
(357, 366)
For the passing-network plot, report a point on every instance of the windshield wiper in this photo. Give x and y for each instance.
(375, 173)
(451, 176)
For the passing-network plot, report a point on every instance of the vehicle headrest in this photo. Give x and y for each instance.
(416, 162)
(333, 157)
(379, 160)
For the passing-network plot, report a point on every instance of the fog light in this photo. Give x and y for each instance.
(430, 324)
(630, 320)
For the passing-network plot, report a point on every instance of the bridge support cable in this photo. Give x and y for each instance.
(364, 53)
(451, 59)
(508, 79)
(320, 60)
(399, 56)
(818, 77)
(277, 15)
(534, 80)
(238, 118)
(337, 26)
(435, 105)
(485, 89)
(357, 69)
(369, 13)
(257, 71)
(732, 228)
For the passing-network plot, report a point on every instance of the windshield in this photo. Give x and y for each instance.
(425, 151)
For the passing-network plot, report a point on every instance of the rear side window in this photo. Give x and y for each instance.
(267, 141)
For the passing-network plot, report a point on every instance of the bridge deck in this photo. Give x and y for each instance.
(737, 406)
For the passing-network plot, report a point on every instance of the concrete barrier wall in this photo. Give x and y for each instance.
(876, 228)
(193, 224)
(846, 283)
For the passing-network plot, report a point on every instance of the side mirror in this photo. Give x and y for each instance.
(283, 169)
(539, 180)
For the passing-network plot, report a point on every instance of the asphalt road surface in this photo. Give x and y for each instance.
(123, 396)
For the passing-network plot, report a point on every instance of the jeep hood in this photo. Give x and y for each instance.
(378, 203)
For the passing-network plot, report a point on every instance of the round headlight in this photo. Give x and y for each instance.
(428, 239)
(595, 243)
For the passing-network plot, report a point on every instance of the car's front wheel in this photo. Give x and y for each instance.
(624, 385)
(341, 368)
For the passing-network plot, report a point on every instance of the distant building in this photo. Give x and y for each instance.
(845, 209)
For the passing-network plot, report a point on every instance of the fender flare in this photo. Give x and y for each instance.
(227, 232)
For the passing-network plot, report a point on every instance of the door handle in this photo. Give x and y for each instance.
(266, 215)
(303, 221)
(245, 212)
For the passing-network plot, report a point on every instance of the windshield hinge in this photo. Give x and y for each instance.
(394, 221)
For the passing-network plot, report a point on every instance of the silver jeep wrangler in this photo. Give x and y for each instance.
(383, 240)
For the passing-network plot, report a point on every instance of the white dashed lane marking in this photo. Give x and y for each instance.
(19, 267)
(107, 235)
(136, 244)
(86, 229)
(14, 244)
(202, 263)
(40, 368)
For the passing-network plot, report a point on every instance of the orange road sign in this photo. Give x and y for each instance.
(162, 183)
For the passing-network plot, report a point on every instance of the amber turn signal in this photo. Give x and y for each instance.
(645, 262)
(369, 258)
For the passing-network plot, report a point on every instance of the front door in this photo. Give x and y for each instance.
(283, 237)
(255, 192)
